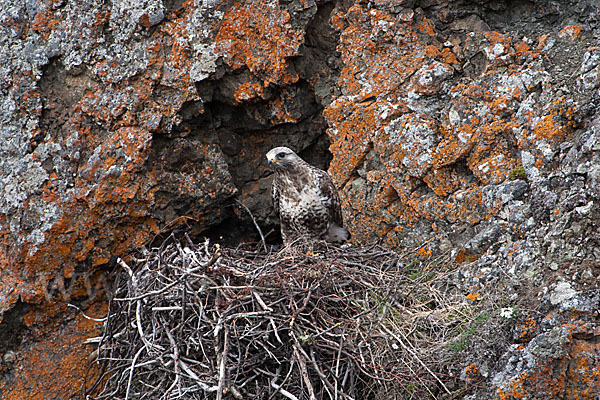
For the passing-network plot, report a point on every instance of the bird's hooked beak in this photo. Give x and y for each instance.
(271, 161)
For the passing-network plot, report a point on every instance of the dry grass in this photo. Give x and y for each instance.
(205, 322)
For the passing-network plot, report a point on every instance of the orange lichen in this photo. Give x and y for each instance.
(55, 366)
(528, 328)
(432, 51)
(472, 373)
(472, 297)
(248, 90)
(445, 181)
(448, 57)
(522, 49)
(111, 207)
(461, 256)
(583, 376)
(259, 36)
(426, 26)
(337, 19)
(574, 375)
(472, 369)
(44, 23)
(515, 389)
(371, 69)
(570, 32)
(425, 251)
(542, 39)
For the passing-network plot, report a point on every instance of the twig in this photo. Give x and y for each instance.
(175, 357)
(168, 308)
(194, 320)
(262, 237)
(407, 348)
(192, 375)
(281, 390)
(138, 324)
(337, 366)
(323, 377)
(86, 316)
(222, 363)
(304, 371)
(131, 368)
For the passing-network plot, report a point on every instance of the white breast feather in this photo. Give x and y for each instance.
(309, 197)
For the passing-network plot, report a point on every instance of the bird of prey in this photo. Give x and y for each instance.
(306, 199)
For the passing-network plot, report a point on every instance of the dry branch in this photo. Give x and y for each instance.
(205, 322)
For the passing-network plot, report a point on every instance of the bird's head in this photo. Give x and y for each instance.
(282, 158)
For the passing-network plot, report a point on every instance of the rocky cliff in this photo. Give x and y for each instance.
(468, 128)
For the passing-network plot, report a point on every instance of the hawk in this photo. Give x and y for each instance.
(306, 199)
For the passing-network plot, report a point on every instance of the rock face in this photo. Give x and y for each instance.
(454, 126)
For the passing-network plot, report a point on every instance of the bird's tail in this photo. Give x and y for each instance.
(336, 233)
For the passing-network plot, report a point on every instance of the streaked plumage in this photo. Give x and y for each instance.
(306, 199)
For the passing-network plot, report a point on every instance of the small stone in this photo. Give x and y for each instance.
(562, 292)
(585, 210)
(9, 357)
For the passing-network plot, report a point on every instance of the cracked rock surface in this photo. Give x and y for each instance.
(472, 127)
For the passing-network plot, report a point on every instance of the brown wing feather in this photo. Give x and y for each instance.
(279, 189)
(275, 194)
(328, 189)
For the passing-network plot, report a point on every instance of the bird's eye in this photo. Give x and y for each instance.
(281, 155)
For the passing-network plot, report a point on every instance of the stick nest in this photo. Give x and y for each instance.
(202, 322)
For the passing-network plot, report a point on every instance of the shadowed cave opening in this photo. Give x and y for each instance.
(244, 141)
(246, 130)
(13, 328)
